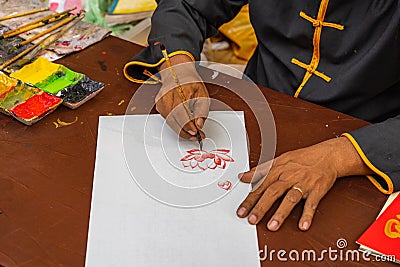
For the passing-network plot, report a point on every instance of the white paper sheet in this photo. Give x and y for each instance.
(129, 227)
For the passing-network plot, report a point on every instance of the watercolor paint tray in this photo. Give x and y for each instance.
(25, 103)
(29, 121)
(78, 99)
(31, 93)
(73, 87)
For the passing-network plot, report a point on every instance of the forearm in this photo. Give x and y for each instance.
(346, 159)
(379, 147)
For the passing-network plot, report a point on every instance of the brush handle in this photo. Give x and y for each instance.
(58, 25)
(37, 23)
(24, 13)
(182, 95)
(43, 44)
(178, 84)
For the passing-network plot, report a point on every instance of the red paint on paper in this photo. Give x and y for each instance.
(36, 106)
(203, 160)
(53, 6)
(63, 43)
(227, 185)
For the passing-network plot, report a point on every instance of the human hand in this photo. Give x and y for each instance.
(169, 102)
(306, 173)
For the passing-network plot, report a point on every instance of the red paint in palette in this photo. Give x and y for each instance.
(5, 93)
(35, 106)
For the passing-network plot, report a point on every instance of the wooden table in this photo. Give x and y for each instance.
(47, 173)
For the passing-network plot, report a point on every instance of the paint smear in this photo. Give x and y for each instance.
(6, 84)
(37, 71)
(19, 94)
(36, 106)
(63, 78)
(8, 46)
(79, 91)
(48, 76)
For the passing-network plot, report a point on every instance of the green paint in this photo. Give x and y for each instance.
(19, 94)
(59, 80)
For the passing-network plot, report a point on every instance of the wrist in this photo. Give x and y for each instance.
(347, 160)
(183, 67)
(175, 60)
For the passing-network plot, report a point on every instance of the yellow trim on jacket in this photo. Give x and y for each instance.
(144, 64)
(372, 167)
(318, 24)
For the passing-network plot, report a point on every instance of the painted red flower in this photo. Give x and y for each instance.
(206, 160)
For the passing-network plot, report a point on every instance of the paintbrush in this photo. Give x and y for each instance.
(58, 25)
(37, 23)
(52, 15)
(42, 44)
(181, 94)
(24, 13)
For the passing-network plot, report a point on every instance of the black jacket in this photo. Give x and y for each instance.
(341, 54)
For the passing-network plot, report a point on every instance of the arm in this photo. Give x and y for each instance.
(182, 26)
(379, 147)
(372, 150)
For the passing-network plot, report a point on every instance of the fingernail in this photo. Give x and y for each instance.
(192, 132)
(252, 219)
(241, 211)
(240, 175)
(305, 225)
(273, 225)
(193, 138)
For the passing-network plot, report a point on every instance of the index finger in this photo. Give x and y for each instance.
(257, 173)
(181, 116)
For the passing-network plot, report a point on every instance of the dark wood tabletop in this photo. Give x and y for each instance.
(47, 172)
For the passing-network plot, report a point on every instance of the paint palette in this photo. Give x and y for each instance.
(25, 103)
(39, 88)
(74, 88)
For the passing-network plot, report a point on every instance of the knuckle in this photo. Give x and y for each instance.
(292, 199)
(312, 206)
(272, 191)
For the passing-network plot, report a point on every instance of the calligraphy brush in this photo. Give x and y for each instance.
(181, 94)
(36, 24)
(58, 25)
(24, 13)
(42, 44)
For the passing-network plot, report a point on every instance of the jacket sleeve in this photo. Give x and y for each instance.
(379, 147)
(182, 26)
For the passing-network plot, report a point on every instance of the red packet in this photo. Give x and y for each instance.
(383, 236)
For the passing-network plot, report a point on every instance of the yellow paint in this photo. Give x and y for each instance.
(390, 224)
(63, 123)
(6, 83)
(121, 102)
(37, 71)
